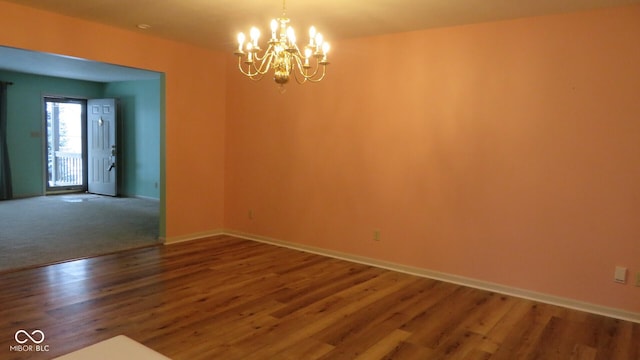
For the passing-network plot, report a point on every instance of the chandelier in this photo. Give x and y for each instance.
(283, 54)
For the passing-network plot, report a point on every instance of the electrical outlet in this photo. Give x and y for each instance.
(376, 235)
(638, 279)
(620, 275)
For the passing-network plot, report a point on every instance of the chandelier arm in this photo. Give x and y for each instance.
(324, 72)
(256, 77)
(297, 63)
(300, 70)
(266, 53)
(305, 72)
(314, 78)
(314, 74)
(266, 64)
(304, 79)
(296, 52)
(248, 72)
(252, 71)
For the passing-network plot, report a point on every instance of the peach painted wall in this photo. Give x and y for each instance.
(507, 152)
(194, 97)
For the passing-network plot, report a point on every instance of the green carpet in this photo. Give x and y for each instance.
(48, 229)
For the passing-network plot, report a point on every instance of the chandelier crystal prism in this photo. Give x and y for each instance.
(283, 55)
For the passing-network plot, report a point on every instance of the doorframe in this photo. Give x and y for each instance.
(45, 175)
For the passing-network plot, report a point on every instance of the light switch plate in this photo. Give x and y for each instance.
(620, 275)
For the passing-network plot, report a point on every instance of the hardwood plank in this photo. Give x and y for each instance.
(227, 298)
(582, 352)
(376, 315)
(306, 349)
(433, 327)
(476, 354)
(461, 344)
(507, 323)
(386, 344)
(521, 341)
(321, 315)
(406, 350)
(550, 344)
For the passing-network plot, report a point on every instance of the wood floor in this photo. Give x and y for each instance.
(226, 298)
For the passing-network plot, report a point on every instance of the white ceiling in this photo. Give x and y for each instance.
(214, 23)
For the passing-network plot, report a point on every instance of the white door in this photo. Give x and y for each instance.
(101, 147)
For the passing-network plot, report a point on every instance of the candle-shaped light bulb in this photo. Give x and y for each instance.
(241, 39)
(312, 35)
(319, 40)
(274, 28)
(291, 35)
(325, 51)
(249, 52)
(255, 34)
(307, 54)
(325, 48)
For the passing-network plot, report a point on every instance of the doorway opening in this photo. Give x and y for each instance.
(65, 120)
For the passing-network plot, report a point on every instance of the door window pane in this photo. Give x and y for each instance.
(64, 143)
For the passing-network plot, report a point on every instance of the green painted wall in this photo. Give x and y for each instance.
(25, 131)
(139, 135)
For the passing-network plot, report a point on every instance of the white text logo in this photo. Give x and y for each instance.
(22, 337)
(29, 336)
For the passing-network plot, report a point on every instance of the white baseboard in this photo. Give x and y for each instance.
(189, 237)
(455, 279)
